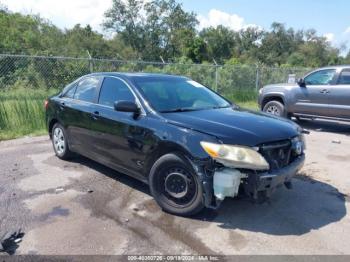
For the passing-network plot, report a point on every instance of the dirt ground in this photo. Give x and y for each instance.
(81, 207)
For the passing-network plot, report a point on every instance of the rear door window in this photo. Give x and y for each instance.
(113, 90)
(87, 88)
(344, 77)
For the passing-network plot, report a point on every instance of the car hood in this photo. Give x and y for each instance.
(236, 126)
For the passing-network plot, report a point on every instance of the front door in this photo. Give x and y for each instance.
(313, 98)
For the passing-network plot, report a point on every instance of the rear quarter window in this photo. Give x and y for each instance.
(70, 91)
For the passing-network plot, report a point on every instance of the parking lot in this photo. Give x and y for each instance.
(81, 207)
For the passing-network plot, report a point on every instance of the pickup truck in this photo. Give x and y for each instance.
(323, 93)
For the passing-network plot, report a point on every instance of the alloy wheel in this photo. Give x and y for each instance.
(272, 109)
(59, 141)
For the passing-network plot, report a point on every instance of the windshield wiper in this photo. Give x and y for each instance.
(219, 107)
(178, 110)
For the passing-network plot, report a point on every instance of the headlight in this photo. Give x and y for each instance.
(298, 144)
(236, 156)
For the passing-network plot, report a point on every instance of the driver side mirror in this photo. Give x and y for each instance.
(127, 106)
(301, 82)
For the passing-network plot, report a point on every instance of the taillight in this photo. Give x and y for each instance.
(46, 104)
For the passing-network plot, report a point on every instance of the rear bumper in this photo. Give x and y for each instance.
(266, 183)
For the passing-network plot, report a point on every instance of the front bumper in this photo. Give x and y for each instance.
(267, 182)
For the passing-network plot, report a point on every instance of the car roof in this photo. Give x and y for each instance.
(133, 76)
(335, 67)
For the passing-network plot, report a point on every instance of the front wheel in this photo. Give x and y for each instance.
(59, 142)
(176, 186)
(275, 108)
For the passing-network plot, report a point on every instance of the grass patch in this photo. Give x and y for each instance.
(243, 98)
(12, 134)
(252, 105)
(22, 112)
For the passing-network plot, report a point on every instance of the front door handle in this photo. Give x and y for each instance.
(324, 91)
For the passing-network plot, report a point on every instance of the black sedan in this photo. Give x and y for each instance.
(192, 146)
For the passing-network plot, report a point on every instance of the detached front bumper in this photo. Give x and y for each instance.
(257, 185)
(267, 182)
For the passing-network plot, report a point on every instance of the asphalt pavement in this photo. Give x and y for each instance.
(78, 207)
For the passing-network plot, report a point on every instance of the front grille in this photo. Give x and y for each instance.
(277, 154)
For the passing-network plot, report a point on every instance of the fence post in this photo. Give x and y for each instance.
(216, 75)
(91, 65)
(216, 78)
(257, 80)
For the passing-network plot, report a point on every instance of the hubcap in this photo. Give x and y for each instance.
(58, 140)
(176, 185)
(273, 110)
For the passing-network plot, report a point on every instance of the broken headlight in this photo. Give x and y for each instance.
(236, 156)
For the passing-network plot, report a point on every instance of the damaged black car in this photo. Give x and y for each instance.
(191, 146)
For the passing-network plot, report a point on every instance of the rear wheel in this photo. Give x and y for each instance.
(275, 108)
(59, 142)
(175, 185)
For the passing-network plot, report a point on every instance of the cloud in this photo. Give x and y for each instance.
(216, 17)
(330, 37)
(347, 31)
(64, 13)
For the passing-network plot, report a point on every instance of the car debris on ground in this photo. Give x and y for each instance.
(9, 242)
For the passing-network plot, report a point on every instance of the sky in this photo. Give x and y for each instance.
(329, 17)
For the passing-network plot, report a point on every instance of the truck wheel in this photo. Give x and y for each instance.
(275, 108)
(175, 185)
(60, 143)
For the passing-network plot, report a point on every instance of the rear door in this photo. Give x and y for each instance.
(339, 95)
(313, 99)
(120, 140)
(79, 114)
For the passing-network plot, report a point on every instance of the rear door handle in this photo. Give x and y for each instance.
(95, 115)
(62, 105)
(324, 91)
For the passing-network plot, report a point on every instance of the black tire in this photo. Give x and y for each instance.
(61, 150)
(174, 172)
(275, 108)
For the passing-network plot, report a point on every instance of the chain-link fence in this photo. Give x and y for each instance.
(38, 72)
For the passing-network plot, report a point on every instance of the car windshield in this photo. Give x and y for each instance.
(168, 95)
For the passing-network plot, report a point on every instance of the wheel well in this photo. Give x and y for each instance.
(51, 124)
(163, 150)
(271, 98)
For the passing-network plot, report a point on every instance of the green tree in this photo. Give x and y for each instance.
(220, 42)
(152, 29)
(80, 40)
